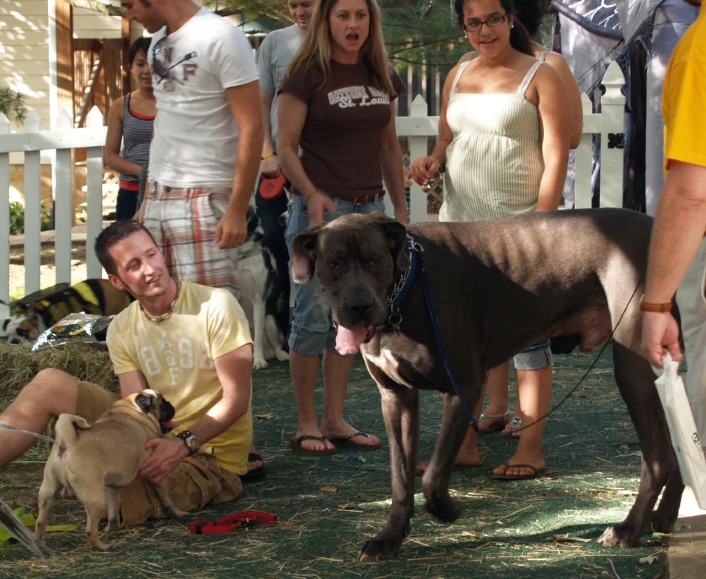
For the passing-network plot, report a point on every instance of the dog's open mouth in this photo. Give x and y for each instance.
(349, 340)
(167, 426)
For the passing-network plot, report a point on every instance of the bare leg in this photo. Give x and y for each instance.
(49, 394)
(337, 370)
(534, 388)
(305, 370)
(497, 385)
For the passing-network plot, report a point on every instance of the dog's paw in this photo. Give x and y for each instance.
(442, 506)
(621, 535)
(177, 513)
(379, 549)
(258, 363)
(282, 356)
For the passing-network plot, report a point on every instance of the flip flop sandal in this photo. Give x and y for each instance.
(296, 445)
(255, 474)
(535, 472)
(515, 425)
(348, 441)
(495, 425)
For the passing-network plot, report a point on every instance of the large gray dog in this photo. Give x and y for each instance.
(499, 287)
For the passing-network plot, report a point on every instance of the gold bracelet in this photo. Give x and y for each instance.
(649, 307)
(268, 155)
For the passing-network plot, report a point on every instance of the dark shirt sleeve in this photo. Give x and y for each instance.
(398, 85)
(300, 84)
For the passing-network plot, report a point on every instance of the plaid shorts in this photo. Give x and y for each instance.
(183, 222)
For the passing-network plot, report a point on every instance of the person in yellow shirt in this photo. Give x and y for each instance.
(190, 342)
(677, 262)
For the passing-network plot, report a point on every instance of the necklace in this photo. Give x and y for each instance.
(168, 313)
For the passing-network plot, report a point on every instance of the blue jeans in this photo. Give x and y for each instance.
(312, 330)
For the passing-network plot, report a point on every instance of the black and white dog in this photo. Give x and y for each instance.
(259, 288)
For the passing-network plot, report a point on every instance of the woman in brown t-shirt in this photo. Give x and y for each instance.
(337, 106)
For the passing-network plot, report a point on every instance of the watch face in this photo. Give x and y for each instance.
(192, 443)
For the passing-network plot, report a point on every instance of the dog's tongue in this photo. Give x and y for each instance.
(348, 340)
(168, 425)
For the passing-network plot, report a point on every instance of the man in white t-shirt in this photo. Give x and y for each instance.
(207, 139)
(273, 58)
(204, 156)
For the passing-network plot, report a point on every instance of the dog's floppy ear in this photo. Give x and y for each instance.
(144, 402)
(304, 254)
(396, 234)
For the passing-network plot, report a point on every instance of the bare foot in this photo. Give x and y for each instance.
(507, 469)
(255, 464)
(319, 443)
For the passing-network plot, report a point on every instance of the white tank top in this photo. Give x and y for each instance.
(494, 164)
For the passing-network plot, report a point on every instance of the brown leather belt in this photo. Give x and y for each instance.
(363, 199)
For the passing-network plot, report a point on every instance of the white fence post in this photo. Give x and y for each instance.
(62, 180)
(33, 209)
(584, 155)
(4, 221)
(418, 147)
(612, 137)
(94, 195)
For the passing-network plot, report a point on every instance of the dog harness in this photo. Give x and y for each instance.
(395, 299)
(231, 523)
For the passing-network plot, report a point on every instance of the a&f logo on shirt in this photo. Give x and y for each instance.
(346, 97)
(176, 357)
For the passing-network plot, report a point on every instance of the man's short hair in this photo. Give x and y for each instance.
(113, 234)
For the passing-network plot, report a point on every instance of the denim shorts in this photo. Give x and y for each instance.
(536, 357)
(312, 330)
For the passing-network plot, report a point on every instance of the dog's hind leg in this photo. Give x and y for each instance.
(94, 505)
(274, 339)
(400, 408)
(435, 483)
(48, 493)
(111, 500)
(636, 382)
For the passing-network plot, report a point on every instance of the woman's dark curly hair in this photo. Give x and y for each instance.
(519, 37)
(530, 13)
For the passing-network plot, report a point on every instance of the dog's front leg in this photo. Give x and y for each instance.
(258, 313)
(435, 483)
(400, 408)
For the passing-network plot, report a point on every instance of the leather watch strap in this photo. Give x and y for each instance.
(650, 307)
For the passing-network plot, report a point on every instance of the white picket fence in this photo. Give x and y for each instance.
(418, 127)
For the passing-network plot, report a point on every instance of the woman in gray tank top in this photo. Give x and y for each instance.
(130, 121)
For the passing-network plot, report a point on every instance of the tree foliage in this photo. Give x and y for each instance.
(12, 104)
(416, 31)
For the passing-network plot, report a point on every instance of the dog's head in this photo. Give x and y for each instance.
(356, 259)
(153, 403)
(22, 327)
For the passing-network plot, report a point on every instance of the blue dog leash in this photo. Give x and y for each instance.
(399, 292)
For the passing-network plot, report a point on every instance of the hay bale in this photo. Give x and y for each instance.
(89, 362)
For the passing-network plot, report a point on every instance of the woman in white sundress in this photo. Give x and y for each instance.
(504, 141)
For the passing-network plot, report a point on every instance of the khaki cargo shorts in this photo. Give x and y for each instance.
(196, 482)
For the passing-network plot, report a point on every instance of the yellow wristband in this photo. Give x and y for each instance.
(268, 155)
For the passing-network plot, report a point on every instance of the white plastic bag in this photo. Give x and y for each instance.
(682, 429)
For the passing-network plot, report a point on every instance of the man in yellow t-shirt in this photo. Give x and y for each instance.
(190, 342)
(677, 263)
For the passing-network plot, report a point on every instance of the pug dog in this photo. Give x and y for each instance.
(94, 461)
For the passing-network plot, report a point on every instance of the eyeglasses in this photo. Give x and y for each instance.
(492, 22)
(161, 70)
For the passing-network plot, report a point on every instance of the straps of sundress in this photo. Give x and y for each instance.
(458, 75)
(528, 78)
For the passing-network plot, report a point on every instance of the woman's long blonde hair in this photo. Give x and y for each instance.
(316, 48)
